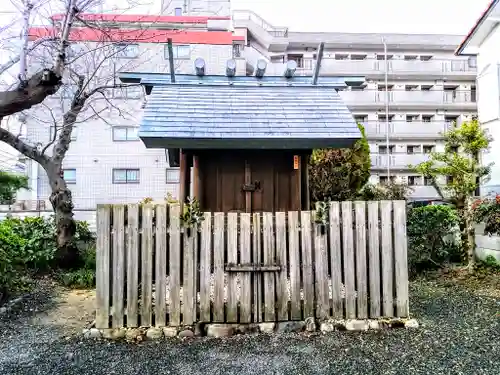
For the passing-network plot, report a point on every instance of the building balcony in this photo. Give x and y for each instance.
(434, 68)
(398, 161)
(406, 130)
(415, 99)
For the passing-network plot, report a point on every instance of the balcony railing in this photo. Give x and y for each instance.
(371, 66)
(406, 129)
(245, 15)
(397, 160)
(414, 97)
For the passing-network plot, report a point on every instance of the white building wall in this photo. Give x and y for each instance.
(488, 61)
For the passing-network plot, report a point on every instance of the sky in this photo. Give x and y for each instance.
(403, 16)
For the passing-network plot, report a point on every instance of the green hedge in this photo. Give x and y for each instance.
(28, 247)
(433, 237)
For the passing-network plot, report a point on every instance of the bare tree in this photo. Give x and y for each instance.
(90, 92)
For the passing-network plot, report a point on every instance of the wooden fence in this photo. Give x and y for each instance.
(241, 267)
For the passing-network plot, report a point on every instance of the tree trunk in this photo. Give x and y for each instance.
(62, 203)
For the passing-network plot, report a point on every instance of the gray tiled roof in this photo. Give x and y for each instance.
(246, 116)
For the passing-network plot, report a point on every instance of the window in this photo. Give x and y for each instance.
(125, 176)
(428, 149)
(339, 56)
(178, 11)
(427, 118)
(361, 118)
(125, 133)
(427, 181)
(127, 51)
(411, 118)
(384, 180)
(237, 50)
(411, 87)
(69, 176)
(382, 87)
(412, 149)
(382, 57)
(180, 52)
(414, 180)
(173, 176)
(74, 132)
(425, 58)
(410, 57)
(454, 149)
(383, 149)
(358, 57)
(426, 87)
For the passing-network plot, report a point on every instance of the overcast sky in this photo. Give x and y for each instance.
(405, 16)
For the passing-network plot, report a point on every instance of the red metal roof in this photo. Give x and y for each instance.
(140, 36)
(478, 23)
(124, 18)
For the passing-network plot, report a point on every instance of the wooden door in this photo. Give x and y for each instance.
(250, 181)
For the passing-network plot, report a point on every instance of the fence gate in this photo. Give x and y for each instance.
(255, 264)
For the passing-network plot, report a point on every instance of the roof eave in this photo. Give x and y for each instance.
(480, 22)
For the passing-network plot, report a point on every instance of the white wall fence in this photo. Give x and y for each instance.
(486, 245)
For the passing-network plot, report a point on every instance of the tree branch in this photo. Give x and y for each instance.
(21, 146)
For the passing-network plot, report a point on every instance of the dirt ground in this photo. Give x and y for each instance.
(73, 310)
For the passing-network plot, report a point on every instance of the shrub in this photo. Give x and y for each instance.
(339, 174)
(29, 246)
(390, 191)
(433, 237)
(487, 211)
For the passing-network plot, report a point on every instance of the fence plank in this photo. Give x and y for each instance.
(232, 257)
(205, 266)
(269, 258)
(281, 259)
(219, 267)
(118, 264)
(161, 266)
(293, 249)
(189, 272)
(374, 258)
(246, 285)
(147, 264)
(175, 265)
(307, 265)
(321, 268)
(348, 250)
(103, 267)
(132, 265)
(257, 277)
(361, 268)
(387, 268)
(401, 261)
(336, 260)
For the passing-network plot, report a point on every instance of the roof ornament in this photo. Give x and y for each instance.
(199, 66)
(291, 67)
(261, 68)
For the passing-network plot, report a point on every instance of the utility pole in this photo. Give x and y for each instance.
(387, 111)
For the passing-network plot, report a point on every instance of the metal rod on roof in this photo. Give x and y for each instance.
(318, 63)
(171, 59)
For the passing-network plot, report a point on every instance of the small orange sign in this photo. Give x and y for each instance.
(296, 162)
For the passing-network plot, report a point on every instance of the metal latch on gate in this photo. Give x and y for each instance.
(251, 267)
(251, 187)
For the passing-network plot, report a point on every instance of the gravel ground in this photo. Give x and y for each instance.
(459, 334)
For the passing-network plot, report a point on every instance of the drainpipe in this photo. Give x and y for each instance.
(387, 111)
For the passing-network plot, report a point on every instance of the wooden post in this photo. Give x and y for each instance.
(248, 181)
(306, 199)
(183, 171)
(196, 178)
(297, 184)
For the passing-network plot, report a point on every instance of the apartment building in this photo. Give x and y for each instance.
(428, 87)
(107, 162)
